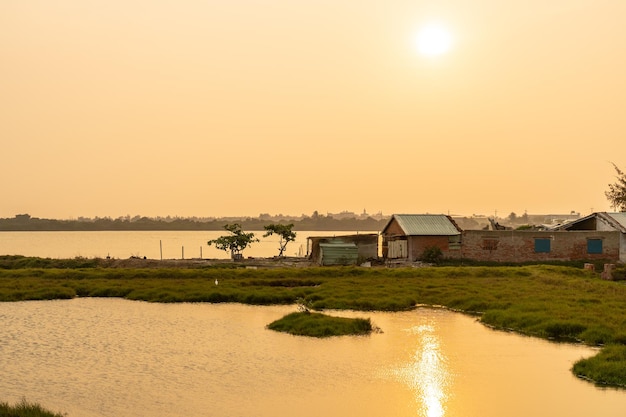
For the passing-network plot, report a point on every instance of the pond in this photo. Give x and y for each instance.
(110, 357)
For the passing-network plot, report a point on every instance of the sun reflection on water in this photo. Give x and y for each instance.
(426, 374)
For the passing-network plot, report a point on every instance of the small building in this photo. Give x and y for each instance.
(342, 250)
(601, 222)
(338, 253)
(406, 236)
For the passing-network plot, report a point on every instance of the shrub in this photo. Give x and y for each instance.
(432, 255)
(619, 274)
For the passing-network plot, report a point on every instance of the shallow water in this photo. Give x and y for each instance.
(112, 357)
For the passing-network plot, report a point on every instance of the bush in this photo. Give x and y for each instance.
(432, 255)
(619, 274)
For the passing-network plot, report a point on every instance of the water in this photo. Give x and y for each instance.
(151, 244)
(110, 357)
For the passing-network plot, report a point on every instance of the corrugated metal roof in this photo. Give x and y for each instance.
(426, 225)
(619, 218)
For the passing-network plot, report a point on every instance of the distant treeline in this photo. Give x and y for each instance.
(24, 222)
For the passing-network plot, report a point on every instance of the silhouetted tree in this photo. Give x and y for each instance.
(236, 242)
(617, 191)
(285, 233)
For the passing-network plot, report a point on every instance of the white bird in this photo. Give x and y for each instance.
(216, 282)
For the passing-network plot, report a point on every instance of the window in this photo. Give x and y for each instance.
(542, 245)
(594, 246)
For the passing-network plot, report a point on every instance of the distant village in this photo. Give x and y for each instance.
(342, 221)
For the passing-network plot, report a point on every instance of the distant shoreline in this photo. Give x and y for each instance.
(315, 222)
(26, 223)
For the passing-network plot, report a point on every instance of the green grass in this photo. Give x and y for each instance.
(547, 301)
(25, 409)
(320, 325)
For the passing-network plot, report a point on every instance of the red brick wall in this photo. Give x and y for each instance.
(519, 246)
(417, 244)
(393, 228)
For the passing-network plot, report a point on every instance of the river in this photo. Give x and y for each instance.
(151, 244)
(93, 357)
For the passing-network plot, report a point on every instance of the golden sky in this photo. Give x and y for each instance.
(241, 107)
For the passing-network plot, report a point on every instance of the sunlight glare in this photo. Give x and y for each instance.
(433, 39)
(427, 374)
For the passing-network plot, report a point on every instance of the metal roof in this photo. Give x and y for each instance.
(620, 219)
(616, 220)
(426, 224)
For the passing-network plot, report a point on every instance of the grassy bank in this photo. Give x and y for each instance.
(553, 302)
(25, 409)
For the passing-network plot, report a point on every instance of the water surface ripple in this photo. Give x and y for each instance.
(109, 357)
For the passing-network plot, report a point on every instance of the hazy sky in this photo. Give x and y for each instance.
(241, 107)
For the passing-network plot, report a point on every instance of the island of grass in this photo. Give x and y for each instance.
(306, 323)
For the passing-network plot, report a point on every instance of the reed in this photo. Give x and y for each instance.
(25, 409)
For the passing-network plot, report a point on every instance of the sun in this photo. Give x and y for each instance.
(433, 39)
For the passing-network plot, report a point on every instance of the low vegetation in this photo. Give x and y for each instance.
(25, 409)
(553, 302)
(305, 323)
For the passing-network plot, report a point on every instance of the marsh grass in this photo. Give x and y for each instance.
(548, 301)
(605, 368)
(25, 409)
(320, 325)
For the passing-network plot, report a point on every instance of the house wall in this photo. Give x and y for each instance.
(519, 246)
(417, 244)
(393, 228)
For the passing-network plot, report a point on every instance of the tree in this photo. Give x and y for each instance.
(617, 191)
(285, 233)
(236, 242)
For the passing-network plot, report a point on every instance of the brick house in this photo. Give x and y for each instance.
(539, 245)
(405, 236)
(601, 222)
(600, 236)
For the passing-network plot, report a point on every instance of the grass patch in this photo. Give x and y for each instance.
(25, 409)
(606, 368)
(320, 325)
